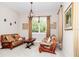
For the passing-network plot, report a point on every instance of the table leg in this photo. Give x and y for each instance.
(28, 46)
(32, 43)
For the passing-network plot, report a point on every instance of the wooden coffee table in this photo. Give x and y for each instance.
(29, 42)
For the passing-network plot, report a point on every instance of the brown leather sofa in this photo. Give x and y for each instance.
(11, 40)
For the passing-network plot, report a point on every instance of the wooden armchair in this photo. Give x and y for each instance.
(48, 47)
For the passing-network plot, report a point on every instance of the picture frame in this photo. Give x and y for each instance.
(25, 26)
(68, 18)
(53, 25)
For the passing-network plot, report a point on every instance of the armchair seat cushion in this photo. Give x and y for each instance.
(48, 44)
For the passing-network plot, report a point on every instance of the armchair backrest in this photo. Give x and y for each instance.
(53, 45)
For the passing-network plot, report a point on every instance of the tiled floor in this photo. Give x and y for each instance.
(20, 51)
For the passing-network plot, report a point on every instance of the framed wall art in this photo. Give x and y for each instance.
(53, 25)
(25, 26)
(68, 18)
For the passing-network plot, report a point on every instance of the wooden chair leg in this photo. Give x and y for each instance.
(40, 50)
(54, 51)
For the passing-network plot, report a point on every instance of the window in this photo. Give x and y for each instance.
(39, 24)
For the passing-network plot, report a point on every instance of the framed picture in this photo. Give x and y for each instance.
(68, 18)
(25, 26)
(53, 26)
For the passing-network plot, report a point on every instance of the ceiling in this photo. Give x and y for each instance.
(39, 8)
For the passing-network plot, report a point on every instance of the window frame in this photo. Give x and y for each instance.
(39, 26)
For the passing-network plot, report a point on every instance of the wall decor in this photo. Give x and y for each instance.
(53, 25)
(4, 19)
(10, 24)
(68, 18)
(25, 26)
(15, 22)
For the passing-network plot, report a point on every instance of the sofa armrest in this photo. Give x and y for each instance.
(6, 44)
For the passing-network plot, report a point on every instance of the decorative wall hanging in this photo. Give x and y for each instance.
(4, 19)
(25, 26)
(53, 25)
(15, 22)
(10, 24)
(68, 18)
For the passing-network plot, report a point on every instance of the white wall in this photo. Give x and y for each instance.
(23, 19)
(10, 16)
(54, 18)
(68, 39)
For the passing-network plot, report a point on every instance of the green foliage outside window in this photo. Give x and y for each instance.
(42, 25)
(39, 24)
(35, 26)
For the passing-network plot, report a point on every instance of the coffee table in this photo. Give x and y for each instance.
(29, 42)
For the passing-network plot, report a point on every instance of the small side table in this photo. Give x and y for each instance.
(30, 42)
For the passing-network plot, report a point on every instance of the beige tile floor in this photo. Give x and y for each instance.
(20, 51)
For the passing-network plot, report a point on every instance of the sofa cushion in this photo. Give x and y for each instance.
(4, 39)
(17, 42)
(17, 37)
(10, 38)
(20, 39)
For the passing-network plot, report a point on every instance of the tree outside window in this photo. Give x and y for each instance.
(39, 24)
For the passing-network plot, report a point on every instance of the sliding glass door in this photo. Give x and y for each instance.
(39, 27)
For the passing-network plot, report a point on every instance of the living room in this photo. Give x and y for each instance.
(36, 20)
